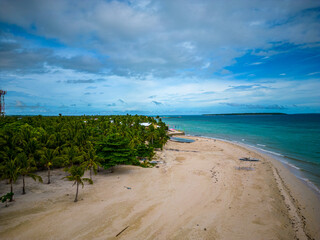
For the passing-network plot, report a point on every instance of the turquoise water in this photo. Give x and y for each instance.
(183, 140)
(293, 139)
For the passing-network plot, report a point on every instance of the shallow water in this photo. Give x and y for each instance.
(183, 140)
(295, 137)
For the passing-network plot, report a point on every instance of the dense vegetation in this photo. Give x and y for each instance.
(77, 143)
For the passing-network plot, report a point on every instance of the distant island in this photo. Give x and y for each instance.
(219, 114)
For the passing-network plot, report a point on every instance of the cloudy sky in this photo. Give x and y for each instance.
(160, 56)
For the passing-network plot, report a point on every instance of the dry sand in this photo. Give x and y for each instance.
(200, 191)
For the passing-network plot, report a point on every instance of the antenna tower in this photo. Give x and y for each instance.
(2, 105)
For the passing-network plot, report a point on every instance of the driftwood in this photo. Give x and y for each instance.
(122, 231)
(249, 159)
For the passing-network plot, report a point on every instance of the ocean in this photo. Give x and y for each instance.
(292, 139)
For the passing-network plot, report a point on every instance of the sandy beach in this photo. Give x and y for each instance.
(200, 190)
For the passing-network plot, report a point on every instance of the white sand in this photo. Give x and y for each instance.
(198, 193)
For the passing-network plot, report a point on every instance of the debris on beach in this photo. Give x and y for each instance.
(128, 187)
(245, 168)
(249, 159)
(122, 231)
(155, 161)
(178, 150)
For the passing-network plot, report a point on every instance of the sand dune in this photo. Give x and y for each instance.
(201, 191)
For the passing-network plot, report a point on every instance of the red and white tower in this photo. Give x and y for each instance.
(2, 105)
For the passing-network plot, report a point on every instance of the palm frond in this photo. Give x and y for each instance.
(87, 180)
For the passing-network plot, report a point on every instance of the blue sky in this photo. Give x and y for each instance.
(160, 57)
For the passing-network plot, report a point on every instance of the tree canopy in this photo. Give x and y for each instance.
(31, 143)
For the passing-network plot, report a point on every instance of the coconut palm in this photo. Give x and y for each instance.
(151, 134)
(26, 169)
(48, 156)
(10, 170)
(91, 161)
(71, 155)
(76, 175)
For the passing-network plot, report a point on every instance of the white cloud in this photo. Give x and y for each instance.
(141, 37)
(313, 73)
(206, 65)
(256, 63)
(171, 50)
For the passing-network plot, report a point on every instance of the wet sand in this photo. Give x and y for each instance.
(200, 191)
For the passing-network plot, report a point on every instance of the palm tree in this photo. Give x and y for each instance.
(151, 134)
(10, 171)
(71, 155)
(26, 169)
(91, 161)
(48, 156)
(76, 175)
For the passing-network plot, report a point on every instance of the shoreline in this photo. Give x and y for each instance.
(200, 191)
(296, 171)
(297, 191)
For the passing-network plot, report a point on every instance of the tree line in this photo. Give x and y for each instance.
(76, 143)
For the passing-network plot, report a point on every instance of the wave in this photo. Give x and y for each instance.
(262, 145)
(310, 184)
(267, 151)
(291, 165)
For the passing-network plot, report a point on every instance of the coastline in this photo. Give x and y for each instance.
(302, 194)
(304, 198)
(200, 191)
(278, 157)
(292, 139)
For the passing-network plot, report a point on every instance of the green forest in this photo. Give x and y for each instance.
(76, 143)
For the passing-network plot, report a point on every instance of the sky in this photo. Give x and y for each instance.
(159, 57)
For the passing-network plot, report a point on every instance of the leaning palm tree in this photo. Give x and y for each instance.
(76, 175)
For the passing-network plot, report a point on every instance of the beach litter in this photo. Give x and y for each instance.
(245, 168)
(153, 161)
(128, 187)
(249, 159)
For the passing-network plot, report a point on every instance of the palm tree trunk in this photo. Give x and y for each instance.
(49, 175)
(91, 172)
(11, 190)
(76, 199)
(23, 185)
